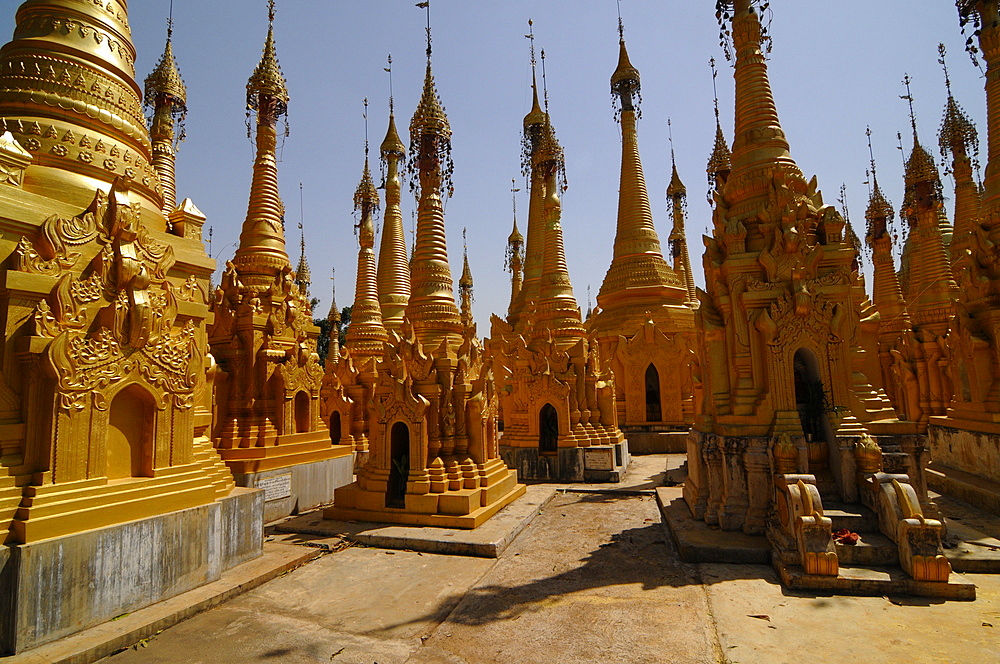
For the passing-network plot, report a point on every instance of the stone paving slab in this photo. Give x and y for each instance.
(759, 622)
(132, 628)
(487, 541)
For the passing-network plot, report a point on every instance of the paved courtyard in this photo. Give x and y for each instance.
(594, 578)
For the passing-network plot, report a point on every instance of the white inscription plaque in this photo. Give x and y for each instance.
(276, 486)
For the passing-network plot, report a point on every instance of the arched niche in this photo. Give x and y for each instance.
(131, 427)
(301, 412)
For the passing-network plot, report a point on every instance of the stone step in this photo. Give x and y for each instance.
(855, 517)
(875, 581)
(872, 549)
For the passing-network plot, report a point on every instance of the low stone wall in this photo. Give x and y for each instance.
(570, 464)
(969, 451)
(54, 588)
(656, 442)
(299, 488)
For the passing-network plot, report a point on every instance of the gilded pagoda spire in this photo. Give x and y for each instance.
(515, 254)
(983, 16)
(958, 138)
(638, 275)
(930, 289)
(886, 292)
(333, 317)
(533, 128)
(677, 199)
(261, 254)
(70, 97)
(166, 96)
(720, 163)
(465, 285)
(556, 309)
(366, 333)
(303, 276)
(431, 308)
(760, 148)
(393, 263)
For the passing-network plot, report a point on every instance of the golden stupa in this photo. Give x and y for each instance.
(557, 393)
(267, 421)
(432, 435)
(107, 401)
(644, 321)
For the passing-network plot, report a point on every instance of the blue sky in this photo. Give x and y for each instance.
(835, 68)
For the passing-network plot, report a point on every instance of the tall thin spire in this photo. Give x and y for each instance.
(887, 295)
(334, 318)
(677, 202)
(556, 309)
(515, 253)
(638, 276)
(533, 127)
(431, 308)
(366, 334)
(465, 285)
(983, 19)
(930, 286)
(303, 276)
(958, 139)
(759, 143)
(166, 96)
(720, 163)
(261, 254)
(393, 263)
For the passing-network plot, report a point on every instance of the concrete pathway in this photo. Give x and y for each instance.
(594, 578)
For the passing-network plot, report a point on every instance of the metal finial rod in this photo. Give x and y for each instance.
(942, 52)
(843, 202)
(545, 86)
(902, 155)
(871, 153)
(170, 22)
(670, 137)
(513, 196)
(209, 241)
(531, 37)
(715, 91)
(270, 11)
(389, 70)
(302, 215)
(364, 114)
(427, 5)
(621, 26)
(465, 243)
(909, 99)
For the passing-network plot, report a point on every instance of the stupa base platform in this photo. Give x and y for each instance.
(489, 540)
(597, 463)
(875, 582)
(460, 508)
(56, 587)
(296, 475)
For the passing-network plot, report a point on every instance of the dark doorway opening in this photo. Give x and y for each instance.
(335, 428)
(811, 399)
(654, 409)
(399, 465)
(548, 430)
